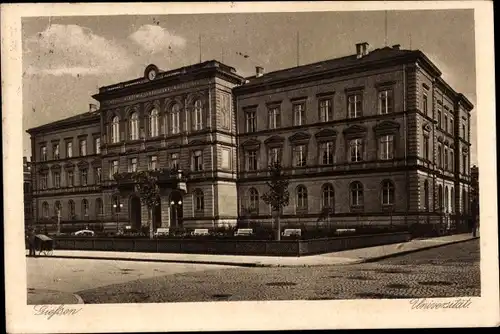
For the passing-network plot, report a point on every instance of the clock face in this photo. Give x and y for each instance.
(152, 74)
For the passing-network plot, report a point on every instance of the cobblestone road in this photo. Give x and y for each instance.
(449, 271)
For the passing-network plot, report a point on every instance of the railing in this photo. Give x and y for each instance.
(68, 190)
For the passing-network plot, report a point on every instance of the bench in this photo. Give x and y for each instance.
(201, 231)
(345, 230)
(162, 231)
(292, 232)
(243, 232)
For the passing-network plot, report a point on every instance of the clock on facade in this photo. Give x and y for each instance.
(151, 72)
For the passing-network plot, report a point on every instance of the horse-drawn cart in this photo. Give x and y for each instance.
(43, 244)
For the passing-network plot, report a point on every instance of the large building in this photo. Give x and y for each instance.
(27, 191)
(375, 137)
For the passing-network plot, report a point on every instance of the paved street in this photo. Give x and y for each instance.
(448, 271)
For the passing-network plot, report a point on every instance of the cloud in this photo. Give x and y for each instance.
(154, 38)
(73, 50)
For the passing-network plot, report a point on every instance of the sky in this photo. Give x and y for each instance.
(66, 59)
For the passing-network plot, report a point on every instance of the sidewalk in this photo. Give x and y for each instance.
(52, 297)
(338, 258)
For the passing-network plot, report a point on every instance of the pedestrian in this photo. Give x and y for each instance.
(31, 243)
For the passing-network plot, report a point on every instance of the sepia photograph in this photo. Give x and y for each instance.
(239, 158)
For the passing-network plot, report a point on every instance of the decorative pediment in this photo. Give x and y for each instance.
(465, 150)
(197, 142)
(386, 127)
(132, 150)
(355, 130)
(440, 139)
(173, 146)
(55, 167)
(446, 142)
(69, 165)
(83, 164)
(251, 143)
(274, 140)
(96, 162)
(299, 136)
(44, 168)
(427, 127)
(326, 133)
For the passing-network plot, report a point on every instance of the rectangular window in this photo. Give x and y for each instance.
(97, 145)
(439, 118)
(463, 132)
(174, 161)
(113, 168)
(70, 178)
(355, 105)
(97, 175)
(83, 177)
(386, 147)
(356, 150)
(226, 159)
(452, 130)
(274, 155)
(426, 147)
(43, 153)
(325, 110)
(452, 161)
(445, 123)
(300, 155)
(326, 153)
(43, 181)
(197, 160)
(55, 150)
(464, 163)
(153, 162)
(250, 121)
(132, 165)
(57, 179)
(385, 101)
(274, 118)
(445, 158)
(439, 156)
(299, 115)
(251, 160)
(425, 104)
(69, 149)
(83, 147)
(175, 122)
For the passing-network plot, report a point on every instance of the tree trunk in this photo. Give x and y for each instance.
(278, 227)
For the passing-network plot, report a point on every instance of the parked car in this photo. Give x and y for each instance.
(84, 233)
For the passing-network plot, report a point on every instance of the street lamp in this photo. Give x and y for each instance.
(117, 208)
(58, 221)
(174, 208)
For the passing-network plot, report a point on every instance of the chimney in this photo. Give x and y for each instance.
(259, 71)
(361, 49)
(92, 107)
(396, 46)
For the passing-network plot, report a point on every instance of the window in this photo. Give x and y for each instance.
(115, 129)
(387, 193)
(197, 160)
(113, 168)
(452, 160)
(274, 118)
(199, 201)
(45, 209)
(57, 179)
(175, 115)
(452, 200)
(132, 165)
(356, 192)
(250, 121)
(97, 175)
(426, 147)
(274, 155)
(134, 126)
(226, 158)
(327, 196)
(299, 115)
(356, 150)
(55, 150)
(83, 147)
(452, 130)
(386, 147)
(69, 149)
(43, 153)
(43, 181)
(439, 118)
(464, 201)
(85, 208)
(463, 131)
(445, 123)
(174, 161)
(225, 110)
(71, 210)
(385, 101)
(152, 162)
(251, 160)
(198, 115)
(446, 199)
(464, 163)
(440, 198)
(445, 158)
(326, 151)
(83, 177)
(154, 126)
(253, 200)
(70, 178)
(425, 104)
(99, 208)
(325, 110)
(299, 155)
(354, 106)
(439, 157)
(301, 198)
(97, 145)
(426, 195)
(57, 209)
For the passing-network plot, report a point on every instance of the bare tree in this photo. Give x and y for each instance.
(277, 195)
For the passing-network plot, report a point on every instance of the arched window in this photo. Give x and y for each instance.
(464, 201)
(446, 199)
(198, 115)
(253, 200)
(45, 209)
(327, 196)
(134, 126)
(57, 208)
(115, 129)
(71, 210)
(85, 208)
(452, 200)
(440, 198)
(356, 194)
(301, 198)
(175, 114)
(387, 192)
(199, 201)
(99, 208)
(153, 123)
(426, 194)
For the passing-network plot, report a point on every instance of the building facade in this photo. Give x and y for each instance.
(376, 137)
(27, 191)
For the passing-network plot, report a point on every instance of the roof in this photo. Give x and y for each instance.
(73, 120)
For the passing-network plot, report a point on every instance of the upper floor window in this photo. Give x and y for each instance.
(439, 118)
(274, 155)
(70, 178)
(299, 114)
(251, 160)
(198, 115)
(98, 175)
(83, 177)
(198, 160)
(385, 101)
(154, 124)
(43, 153)
(199, 201)
(153, 162)
(55, 150)
(356, 194)
(174, 161)
(325, 110)
(425, 104)
(464, 163)
(386, 147)
(69, 149)
(356, 150)
(274, 117)
(97, 145)
(134, 126)
(250, 121)
(113, 168)
(253, 200)
(445, 158)
(83, 147)
(326, 153)
(445, 123)
(355, 105)
(452, 130)
(43, 181)
(452, 160)
(45, 209)
(299, 155)
(99, 208)
(132, 165)
(56, 179)
(426, 147)
(439, 156)
(327, 196)
(387, 193)
(464, 132)
(225, 111)
(175, 115)
(115, 129)
(301, 198)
